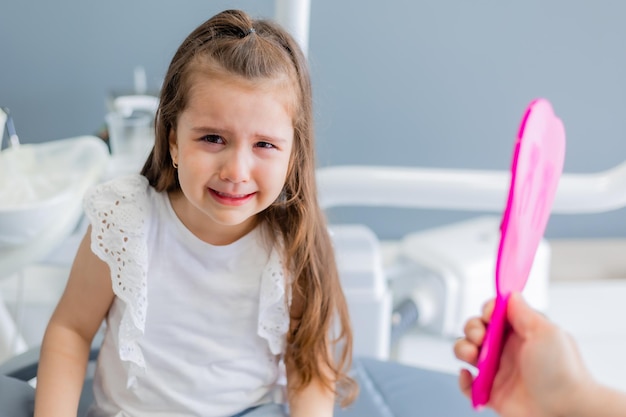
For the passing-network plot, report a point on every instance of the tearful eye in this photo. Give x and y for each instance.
(265, 145)
(213, 139)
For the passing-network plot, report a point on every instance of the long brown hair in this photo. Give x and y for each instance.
(233, 44)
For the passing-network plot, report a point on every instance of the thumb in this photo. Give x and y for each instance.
(523, 318)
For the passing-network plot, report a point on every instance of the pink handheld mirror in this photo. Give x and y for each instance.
(537, 166)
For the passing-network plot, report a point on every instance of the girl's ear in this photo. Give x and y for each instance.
(173, 146)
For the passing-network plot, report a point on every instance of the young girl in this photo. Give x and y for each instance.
(214, 266)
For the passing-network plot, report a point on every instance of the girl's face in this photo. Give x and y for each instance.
(232, 144)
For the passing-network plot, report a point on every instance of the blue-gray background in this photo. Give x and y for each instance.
(438, 83)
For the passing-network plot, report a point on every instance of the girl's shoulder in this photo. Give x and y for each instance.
(122, 197)
(121, 190)
(118, 209)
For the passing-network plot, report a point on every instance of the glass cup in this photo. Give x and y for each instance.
(130, 137)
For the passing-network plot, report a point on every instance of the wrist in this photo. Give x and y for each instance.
(594, 400)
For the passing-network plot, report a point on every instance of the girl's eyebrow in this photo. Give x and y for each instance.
(205, 129)
(273, 139)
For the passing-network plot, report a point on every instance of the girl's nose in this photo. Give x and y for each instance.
(236, 167)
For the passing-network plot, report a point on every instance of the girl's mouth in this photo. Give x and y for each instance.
(230, 199)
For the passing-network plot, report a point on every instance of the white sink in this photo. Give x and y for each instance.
(41, 190)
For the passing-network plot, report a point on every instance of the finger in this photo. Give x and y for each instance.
(466, 351)
(488, 310)
(475, 331)
(465, 382)
(523, 318)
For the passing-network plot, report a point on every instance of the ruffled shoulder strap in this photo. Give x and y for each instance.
(118, 211)
(274, 304)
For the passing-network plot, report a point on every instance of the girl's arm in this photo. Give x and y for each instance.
(314, 400)
(67, 340)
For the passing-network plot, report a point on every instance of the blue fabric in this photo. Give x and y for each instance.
(390, 389)
(17, 398)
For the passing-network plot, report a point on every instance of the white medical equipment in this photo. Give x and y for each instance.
(360, 265)
(41, 188)
(53, 177)
(452, 266)
(438, 279)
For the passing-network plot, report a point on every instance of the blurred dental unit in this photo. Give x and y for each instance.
(408, 298)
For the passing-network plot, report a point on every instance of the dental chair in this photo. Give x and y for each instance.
(387, 389)
(17, 395)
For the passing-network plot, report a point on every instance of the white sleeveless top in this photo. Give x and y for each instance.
(194, 329)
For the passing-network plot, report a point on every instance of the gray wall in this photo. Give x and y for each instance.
(438, 83)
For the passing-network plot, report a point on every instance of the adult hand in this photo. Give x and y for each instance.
(541, 372)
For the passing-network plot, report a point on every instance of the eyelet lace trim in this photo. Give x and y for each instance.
(273, 321)
(118, 211)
